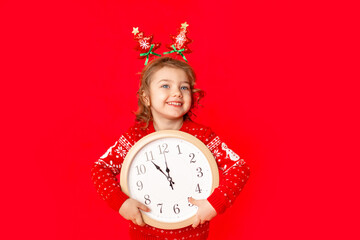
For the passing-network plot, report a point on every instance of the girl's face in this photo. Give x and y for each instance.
(169, 94)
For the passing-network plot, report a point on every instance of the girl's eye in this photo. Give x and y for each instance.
(165, 86)
(184, 88)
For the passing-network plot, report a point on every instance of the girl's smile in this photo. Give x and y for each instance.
(176, 104)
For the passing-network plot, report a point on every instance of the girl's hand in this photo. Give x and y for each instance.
(205, 212)
(130, 211)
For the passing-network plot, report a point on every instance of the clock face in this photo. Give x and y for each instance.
(164, 172)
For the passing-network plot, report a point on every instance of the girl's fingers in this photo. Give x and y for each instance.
(196, 222)
(202, 221)
(192, 201)
(143, 207)
(139, 220)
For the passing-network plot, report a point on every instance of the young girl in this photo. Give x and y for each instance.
(165, 99)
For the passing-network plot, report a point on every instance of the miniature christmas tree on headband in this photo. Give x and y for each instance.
(145, 45)
(180, 42)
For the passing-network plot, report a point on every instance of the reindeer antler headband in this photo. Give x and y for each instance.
(147, 48)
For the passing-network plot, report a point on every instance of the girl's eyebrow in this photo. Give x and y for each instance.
(164, 80)
(167, 80)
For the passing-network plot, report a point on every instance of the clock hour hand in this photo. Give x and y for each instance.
(158, 168)
(167, 177)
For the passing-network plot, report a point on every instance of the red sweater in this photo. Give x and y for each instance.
(233, 172)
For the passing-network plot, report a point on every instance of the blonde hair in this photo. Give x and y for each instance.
(143, 114)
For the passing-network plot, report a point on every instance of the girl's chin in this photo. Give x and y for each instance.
(175, 117)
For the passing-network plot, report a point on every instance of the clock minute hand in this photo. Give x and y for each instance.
(168, 172)
(167, 169)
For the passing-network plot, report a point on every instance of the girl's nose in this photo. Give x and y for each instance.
(177, 93)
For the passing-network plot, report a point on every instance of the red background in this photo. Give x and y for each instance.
(282, 87)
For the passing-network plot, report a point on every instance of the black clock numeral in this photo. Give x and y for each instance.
(161, 207)
(198, 189)
(140, 185)
(192, 155)
(178, 146)
(141, 169)
(200, 173)
(165, 146)
(176, 209)
(151, 155)
(147, 199)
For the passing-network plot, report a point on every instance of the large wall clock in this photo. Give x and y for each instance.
(162, 170)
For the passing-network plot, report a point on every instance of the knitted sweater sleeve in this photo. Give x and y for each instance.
(233, 172)
(105, 170)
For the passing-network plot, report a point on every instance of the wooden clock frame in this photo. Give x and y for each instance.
(159, 135)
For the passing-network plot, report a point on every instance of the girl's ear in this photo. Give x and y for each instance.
(145, 98)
